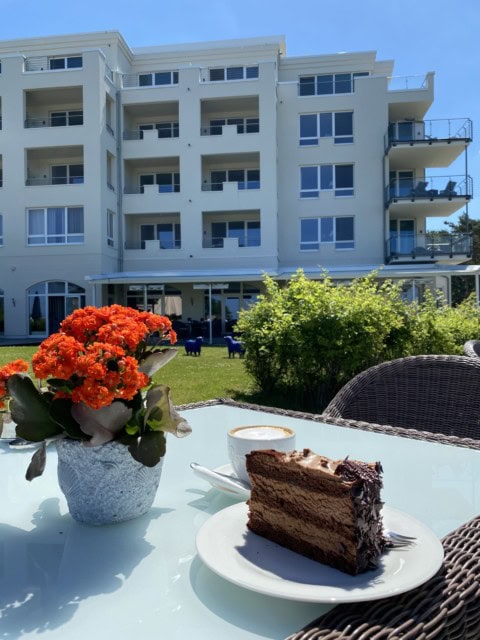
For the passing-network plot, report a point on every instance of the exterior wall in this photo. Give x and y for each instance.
(106, 89)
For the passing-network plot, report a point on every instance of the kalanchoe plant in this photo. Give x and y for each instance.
(98, 373)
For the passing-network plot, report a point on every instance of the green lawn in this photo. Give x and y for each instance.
(192, 379)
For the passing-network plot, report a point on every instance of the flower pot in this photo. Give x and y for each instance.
(105, 484)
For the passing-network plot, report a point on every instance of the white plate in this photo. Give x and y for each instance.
(227, 470)
(233, 552)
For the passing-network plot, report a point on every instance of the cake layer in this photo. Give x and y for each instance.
(324, 509)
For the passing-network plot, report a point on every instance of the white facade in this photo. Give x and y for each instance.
(153, 176)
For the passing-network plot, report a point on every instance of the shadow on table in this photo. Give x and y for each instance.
(48, 571)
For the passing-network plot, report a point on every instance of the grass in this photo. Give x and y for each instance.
(191, 379)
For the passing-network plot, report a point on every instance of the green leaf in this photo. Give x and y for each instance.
(149, 448)
(102, 424)
(160, 414)
(61, 412)
(30, 410)
(156, 360)
(37, 463)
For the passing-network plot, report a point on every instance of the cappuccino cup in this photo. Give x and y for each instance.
(242, 440)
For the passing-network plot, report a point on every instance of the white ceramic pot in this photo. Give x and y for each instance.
(105, 484)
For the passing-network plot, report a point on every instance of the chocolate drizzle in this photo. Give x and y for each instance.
(355, 471)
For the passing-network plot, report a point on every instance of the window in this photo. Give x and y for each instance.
(66, 62)
(66, 118)
(110, 228)
(244, 125)
(55, 225)
(328, 84)
(168, 234)
(245, 178)
(167, 182)
(164, 129)
(338, 125)
(246, 231)
(326, 177)
(67, 174)
(328, 230)
(1, 230)
(233, 73)
(159, 78)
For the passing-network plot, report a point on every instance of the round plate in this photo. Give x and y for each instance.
(232, 551)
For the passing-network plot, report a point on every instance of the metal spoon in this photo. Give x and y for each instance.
(222, 479)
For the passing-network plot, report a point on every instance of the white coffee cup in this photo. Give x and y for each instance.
(242, 440)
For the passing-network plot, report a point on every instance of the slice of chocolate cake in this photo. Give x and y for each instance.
(325, 509)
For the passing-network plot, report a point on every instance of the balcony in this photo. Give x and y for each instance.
(409, 96)
(232, 232)
(429, 196)
(55, 166)
(429, 247)
(54, 107)
(54, 63)
(427, 143)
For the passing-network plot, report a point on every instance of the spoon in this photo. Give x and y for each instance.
(222, 479)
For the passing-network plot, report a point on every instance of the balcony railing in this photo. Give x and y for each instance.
(429, 245)
(161, 188)
(164, 132)
(429, 131)
(162, 244)
(217, 129)
(35, 182)
(218, 186)
(63, 120)
(409, 83)
(430, 188)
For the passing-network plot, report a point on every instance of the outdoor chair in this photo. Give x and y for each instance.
(472, 348)
(449, 189)
(431, 393)
(420, 189)
(234, 346)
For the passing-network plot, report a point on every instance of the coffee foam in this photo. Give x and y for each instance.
(261, 432)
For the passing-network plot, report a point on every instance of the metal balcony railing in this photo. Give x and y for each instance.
(430, 188)
(162, 244)
(62, 120)
(218, 186)
(171, 130)
(429, 245)
(407, 83)
(217, 242)
(162, 188)
(35, 182)
(217, 129)
(428, 131)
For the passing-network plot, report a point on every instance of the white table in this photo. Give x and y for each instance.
(142, 579)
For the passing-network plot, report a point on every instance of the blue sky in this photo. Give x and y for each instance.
(420, 36)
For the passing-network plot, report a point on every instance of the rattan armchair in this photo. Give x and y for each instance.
(434, 393)
(472, 348)
(447, 607)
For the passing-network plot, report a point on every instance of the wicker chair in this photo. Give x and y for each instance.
(447, 607)
(472, 348)
(433, 393)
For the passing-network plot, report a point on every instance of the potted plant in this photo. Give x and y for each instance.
(101, 408)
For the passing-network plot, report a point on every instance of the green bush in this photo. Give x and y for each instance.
(305, 340)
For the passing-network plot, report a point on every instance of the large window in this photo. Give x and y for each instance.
(110, 228)
(55, 225)
(338, 125)
(168, 234)
(67, 174)
(326, 230)
(66, 62)
(167, 182)
(245, 178)
(326, 177)
(66, 118)
(246, 231)
(159, 78)
(233, 73)
(50, 302)
(328, 83)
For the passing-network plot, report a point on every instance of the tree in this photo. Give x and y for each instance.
(463, 286)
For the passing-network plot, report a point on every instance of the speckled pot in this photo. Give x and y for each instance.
(105, 484)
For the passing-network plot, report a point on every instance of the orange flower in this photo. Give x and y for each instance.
(17, 366)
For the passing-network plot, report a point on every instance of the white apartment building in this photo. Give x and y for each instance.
(173, 177)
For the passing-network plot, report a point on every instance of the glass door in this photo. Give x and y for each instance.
(402, 236)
